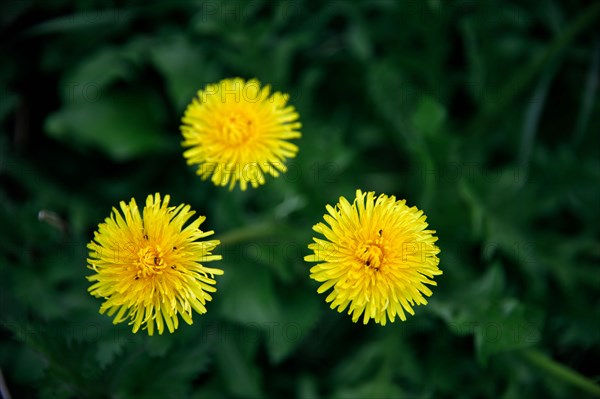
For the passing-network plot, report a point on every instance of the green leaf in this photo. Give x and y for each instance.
(108, 350)
(506, 326)
(124, 125)
(236, 367)
(71, 366)
(7, 104)
(394, 96)
(359, 42)
(372, 389)
(166, 376)
(185, 68)
(429, 116)
(159, 346)
(300, 315)
(87, 81)
(89, 19)
(362, 364)
(251, 298)
(498, 323)
(29, 366)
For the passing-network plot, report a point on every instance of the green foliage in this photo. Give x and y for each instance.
(483, 114)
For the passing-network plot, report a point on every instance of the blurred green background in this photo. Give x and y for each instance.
(484, 114)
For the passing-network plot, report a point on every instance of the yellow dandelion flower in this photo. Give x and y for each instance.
(149, 266)
(377, 256)
(238, 132)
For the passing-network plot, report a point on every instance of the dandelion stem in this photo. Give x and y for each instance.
(247, 233)
(561, 371)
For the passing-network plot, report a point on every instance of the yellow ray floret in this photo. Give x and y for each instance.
(237, 131)
(149, 267)
(376, 256)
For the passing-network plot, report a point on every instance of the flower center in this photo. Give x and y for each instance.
(150, 261)
(238, 128)
(371, 255)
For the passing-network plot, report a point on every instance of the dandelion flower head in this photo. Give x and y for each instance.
(237, 131)
(377, 256)
(149, 266)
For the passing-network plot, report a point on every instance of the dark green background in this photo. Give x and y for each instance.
(484, 114)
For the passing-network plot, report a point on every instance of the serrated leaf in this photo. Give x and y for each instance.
(506, 326)
(171, 375)
(464, 312)
(108, 350)
(71, 366)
